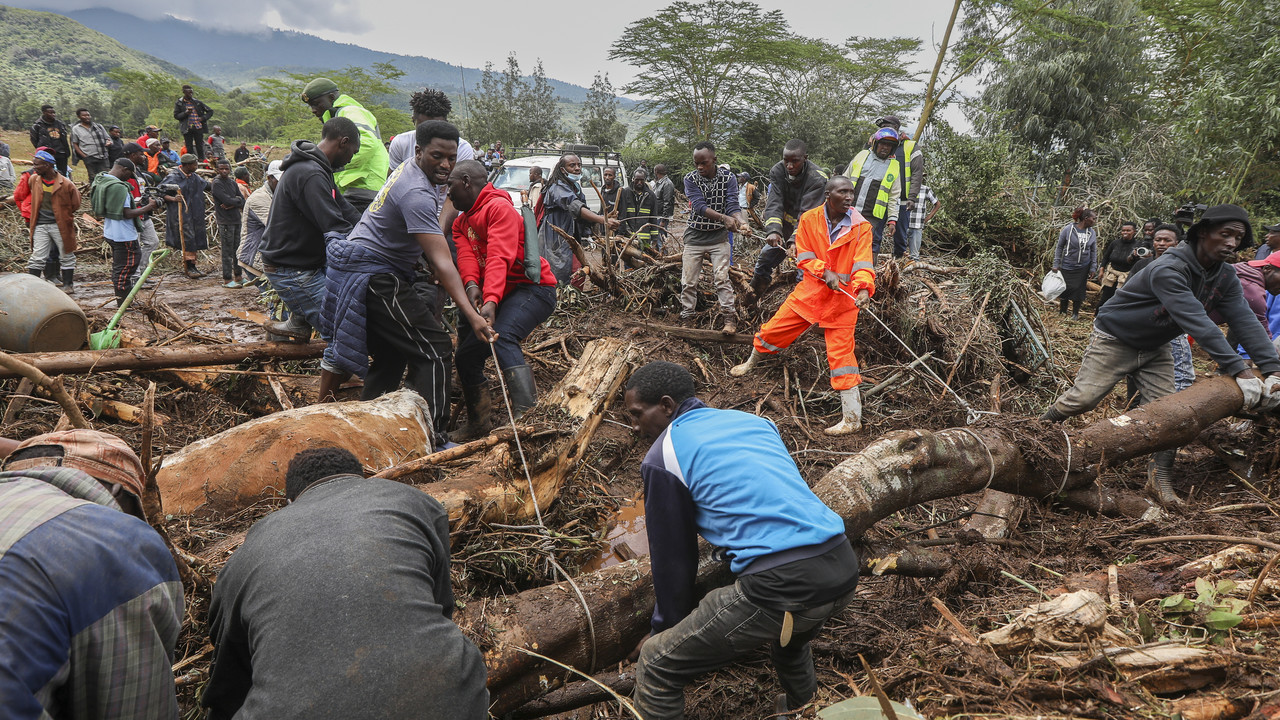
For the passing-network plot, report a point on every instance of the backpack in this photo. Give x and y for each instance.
(532, 245)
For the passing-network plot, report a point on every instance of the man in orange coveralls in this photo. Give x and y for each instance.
(833, 248)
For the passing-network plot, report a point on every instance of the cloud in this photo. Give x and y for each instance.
(245, 15)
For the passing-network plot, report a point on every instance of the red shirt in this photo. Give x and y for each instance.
(490, 241)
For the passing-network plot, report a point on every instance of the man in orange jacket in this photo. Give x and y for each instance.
(833, 248)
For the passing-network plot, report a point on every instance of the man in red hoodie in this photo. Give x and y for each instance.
(515, 296)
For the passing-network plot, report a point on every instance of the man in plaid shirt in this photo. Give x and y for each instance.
(91, 597)
(926, 207)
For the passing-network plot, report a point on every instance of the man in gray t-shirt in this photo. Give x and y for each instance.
(378, 323)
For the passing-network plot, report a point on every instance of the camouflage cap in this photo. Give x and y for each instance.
(103, 456)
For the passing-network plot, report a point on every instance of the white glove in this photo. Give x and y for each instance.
(1252, 389)
(1270, 399)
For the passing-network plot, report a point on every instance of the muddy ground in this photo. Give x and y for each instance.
(893, 623)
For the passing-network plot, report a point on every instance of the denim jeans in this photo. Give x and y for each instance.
(303, 292)
(691, 269)
(1106, 362)
(1183, 372)
(900, 238)
(877, 232)
(916, 240)
(47, 240)
(524, 308)
(769, 260)
(724, 627)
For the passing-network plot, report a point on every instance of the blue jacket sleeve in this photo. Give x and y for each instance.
(673, 545)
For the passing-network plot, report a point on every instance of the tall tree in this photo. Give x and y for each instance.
(512, 108)
(699, 64)
(539, 114)
(600, 124)
(1075, 91)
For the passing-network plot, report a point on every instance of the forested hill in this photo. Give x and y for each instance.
(233, 59)
(49, 54)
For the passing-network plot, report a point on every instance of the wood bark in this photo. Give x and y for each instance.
(161, 358)
(899, 470)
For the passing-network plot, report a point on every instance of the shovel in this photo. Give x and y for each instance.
(110, 337)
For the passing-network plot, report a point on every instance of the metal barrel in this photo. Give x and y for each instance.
(35, 316)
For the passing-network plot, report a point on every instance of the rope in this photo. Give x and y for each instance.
(1066, 474)
(971, 414)
(991, 461)
(545, 546)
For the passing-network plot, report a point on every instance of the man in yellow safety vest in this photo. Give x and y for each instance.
(877, 184)
(364, 176)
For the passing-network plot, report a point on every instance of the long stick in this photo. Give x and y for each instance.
(156, 358)
(965, 346)
(929, 99)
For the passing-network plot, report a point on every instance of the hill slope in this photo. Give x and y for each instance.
(238, 58)
(48, 53)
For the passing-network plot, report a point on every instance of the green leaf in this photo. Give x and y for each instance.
(1226, 587)
(1204, 588)
(1221, 620)
(1173, 600)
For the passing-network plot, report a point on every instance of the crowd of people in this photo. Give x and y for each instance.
(365, 242)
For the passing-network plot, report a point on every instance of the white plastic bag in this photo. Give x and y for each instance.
(1053, 286)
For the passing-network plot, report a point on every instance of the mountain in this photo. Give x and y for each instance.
(230, 58)
(45, 49)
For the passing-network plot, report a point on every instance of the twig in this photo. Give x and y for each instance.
(1233, 539)
(499, 436)
(624, 703)
(951, 619)
(1262, 576)
(965, 345)
(51, 386)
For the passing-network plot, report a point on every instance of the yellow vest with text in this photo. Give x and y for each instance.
(883, 200)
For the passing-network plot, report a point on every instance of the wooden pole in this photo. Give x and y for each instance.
(160, 358)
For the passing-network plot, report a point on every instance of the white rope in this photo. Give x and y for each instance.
(971, 414)
(1066, 474)
(546, 546)
(991, 461)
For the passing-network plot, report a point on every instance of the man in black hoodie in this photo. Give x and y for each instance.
(1172, 296)
(307, 204)
(795, 185)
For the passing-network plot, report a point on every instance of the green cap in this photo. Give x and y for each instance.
(318, 87)
(188, 158)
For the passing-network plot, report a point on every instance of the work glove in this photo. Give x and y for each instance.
(1270, 399)
(1252, 388)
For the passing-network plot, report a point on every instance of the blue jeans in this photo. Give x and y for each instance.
(303, 292)
(877, 232)
(917, 239)
(725, 626)
(522, 309)
(900, 239)
(1183, 372)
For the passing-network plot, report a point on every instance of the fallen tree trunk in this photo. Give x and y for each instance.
(162, 358)
(233, 469)
(899, 470)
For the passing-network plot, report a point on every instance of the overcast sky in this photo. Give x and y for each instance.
(572, 49)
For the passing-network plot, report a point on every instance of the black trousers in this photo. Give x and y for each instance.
(195, 142)
(124, 260)
(403, 333)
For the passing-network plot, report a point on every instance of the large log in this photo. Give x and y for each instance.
(899, 470)
(162, 358)
(235, 468)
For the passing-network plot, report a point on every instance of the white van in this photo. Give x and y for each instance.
(513, 176)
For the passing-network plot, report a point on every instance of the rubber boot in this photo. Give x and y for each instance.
(851, 419)
(479, 409)
(1052, 415)
(192, 271)
(295, 328)
(520, 388)
(1160, 478)
(69, 282)
(760, 285)
(780, 709)
(748, 366)
(51, 267)
(38, 272)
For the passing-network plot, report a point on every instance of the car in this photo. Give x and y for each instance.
(513, 176)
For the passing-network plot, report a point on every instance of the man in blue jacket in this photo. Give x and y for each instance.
(725, 475)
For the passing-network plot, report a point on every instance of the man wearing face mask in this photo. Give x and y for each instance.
(637, 207)
(564, 206)
(796, 186)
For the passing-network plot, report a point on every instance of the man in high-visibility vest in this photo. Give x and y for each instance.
(363, 177)
(911, 159)
(877, 178)
(833, 248)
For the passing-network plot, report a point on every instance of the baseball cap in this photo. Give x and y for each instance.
(105, 457)
(1273, 260)
(274, 169)
(131, 148)
(188, 158)
(1272, 228)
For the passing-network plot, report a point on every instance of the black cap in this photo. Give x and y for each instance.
(1272, 228)
(131, 148)
(127, 163)
(1219, 214)
(889, 120)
